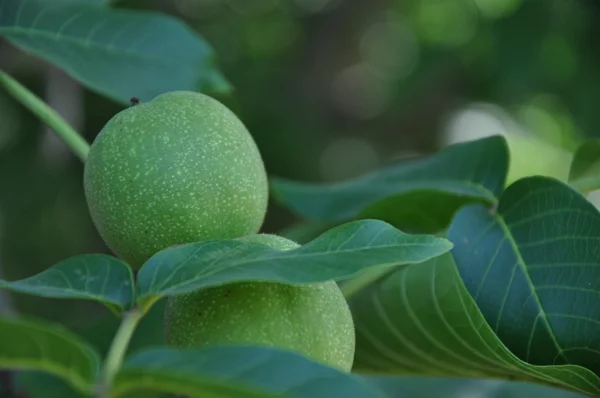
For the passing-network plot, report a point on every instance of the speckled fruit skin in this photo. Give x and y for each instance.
(313, 320)
(180, 168)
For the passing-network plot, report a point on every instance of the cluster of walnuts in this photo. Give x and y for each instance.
(183, 168)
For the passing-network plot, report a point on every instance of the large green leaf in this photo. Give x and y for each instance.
(428, 387)
(341, 253)
(585, 169)
(304, 232)
(533, 268)
(118, 53)
(97, 277)
(421, 320)
(418, 195)
(95, 2)
(236, 372)
(35, 345)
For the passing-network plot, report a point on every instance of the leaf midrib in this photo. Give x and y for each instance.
(521, 264)
(91, 45)
(49, 289)
(275, 257)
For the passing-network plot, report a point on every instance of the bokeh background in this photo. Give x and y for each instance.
(330, 89)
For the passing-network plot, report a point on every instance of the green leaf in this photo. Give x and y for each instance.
(94, 2)
(585, 169)
(533, 269)
(304, 232)
(429, 387)
(97, 277)
(99, 332)
(341, 253)
(42, 346)
(421, 320)
(418, 195)
(236, 372)
(43, 385)
(117, 53)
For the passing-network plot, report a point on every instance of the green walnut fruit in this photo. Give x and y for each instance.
(313, 320)
(180, 168)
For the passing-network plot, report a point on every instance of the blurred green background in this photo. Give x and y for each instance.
(330, 89)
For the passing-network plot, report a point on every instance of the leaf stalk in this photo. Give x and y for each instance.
(49, 116)
(118, 348)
